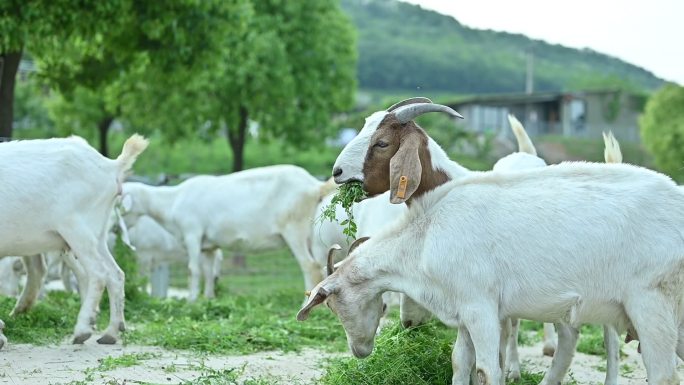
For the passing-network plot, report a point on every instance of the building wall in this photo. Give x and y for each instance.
(617, 112)
(584, 115)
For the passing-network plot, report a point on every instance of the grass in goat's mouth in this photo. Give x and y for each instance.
(346, 195)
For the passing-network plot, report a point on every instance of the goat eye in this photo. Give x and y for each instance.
(381, 144)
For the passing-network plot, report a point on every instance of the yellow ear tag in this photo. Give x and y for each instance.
(401, 191)
(307, 293)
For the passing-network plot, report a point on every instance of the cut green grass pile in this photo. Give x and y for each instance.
(420, 355)
(345, 196)
(233, 325)
(124, 361)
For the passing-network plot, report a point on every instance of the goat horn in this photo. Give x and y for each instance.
(404, 102)
(331, 252)
(411, 111)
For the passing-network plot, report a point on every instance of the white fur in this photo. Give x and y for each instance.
(69, 190)
(462, 252)
(253, 210)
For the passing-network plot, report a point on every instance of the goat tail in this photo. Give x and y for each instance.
(133, 147)
(524, 142)
(612, 153)
(326, 188)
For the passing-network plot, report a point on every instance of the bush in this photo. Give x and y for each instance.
(662, 129)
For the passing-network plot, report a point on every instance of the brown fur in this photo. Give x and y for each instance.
(406, 154)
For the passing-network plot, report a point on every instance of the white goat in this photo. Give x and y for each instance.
(461, 250)
(525, 158)
(72, 189)
(155, 245)
(375, 213)
(253, 210)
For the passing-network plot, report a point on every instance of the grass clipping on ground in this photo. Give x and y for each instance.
(346, 195)
(420, 356)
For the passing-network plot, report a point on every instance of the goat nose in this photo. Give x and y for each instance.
(337, 171)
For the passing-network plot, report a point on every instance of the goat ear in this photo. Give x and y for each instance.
(405, 169)
(319, 298)
(357, 243)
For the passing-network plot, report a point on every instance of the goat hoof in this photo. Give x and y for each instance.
(106, 340)
(549, 350)
(514, 375)
(81, 338)
(122, 327)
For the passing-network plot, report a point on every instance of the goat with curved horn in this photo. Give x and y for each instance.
(409, 112)
(418, 99)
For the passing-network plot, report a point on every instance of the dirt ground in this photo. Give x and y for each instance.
(60, 364)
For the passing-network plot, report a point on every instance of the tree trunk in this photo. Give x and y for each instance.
(9, 65)
(103, 127)
(237, 140)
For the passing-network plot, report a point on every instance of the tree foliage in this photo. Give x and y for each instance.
(41, 26)
(147, 47)
(287, 71)
(205, 67)
(662, 129)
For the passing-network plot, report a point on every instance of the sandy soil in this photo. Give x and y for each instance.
(59, 364)
(588, 369)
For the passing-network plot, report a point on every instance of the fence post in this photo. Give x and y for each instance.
(159, 280)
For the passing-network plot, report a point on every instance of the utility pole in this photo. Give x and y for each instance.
(529, 79)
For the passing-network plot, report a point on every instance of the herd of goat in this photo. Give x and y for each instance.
(564, 244)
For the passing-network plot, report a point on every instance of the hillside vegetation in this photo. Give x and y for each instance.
(404, 47)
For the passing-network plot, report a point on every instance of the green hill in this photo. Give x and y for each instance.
(405, 47)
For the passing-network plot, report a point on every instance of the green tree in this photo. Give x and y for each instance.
(151, 48)
(40, 25)
(288, 71)
(662, 129)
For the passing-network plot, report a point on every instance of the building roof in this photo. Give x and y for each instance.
(520, 98)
